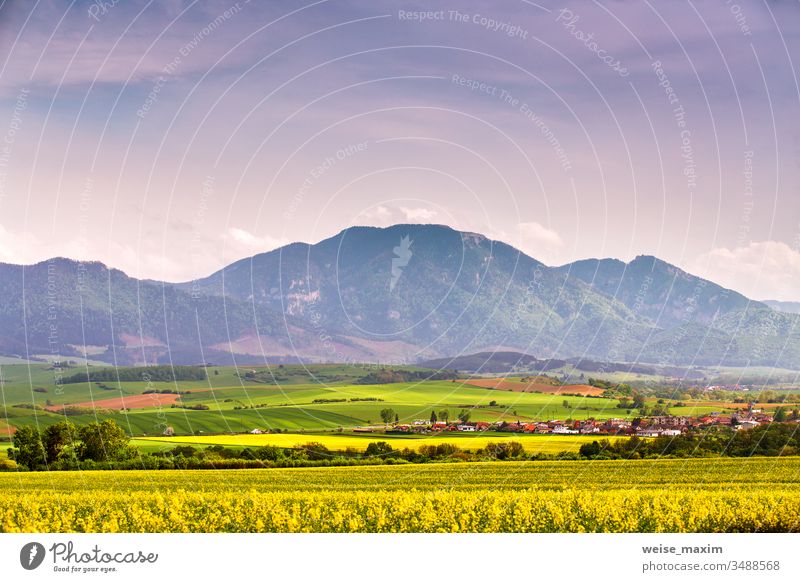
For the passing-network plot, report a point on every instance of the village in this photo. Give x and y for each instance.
(652, 426)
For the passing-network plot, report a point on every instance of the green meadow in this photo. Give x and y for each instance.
(284, 398)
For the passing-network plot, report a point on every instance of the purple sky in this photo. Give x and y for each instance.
(171, 138)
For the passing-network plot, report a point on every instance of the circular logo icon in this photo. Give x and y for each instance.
(31, 555)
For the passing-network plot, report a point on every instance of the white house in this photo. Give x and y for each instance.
(670, 432)
(561, 429)
(747, 424)
(648, 433)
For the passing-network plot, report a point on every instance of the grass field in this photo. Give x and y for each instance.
(698, 495)
(533, 443)
(323, 397)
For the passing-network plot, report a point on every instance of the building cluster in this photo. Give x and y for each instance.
(652, 426)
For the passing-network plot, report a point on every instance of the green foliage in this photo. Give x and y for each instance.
(103, 441)
(28, 448)
(59, 441)
(380, 449)
(774, 439)
(505, 450)
(148, 374)
(314, 451)
(396, 376)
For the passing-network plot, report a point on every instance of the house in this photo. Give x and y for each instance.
(648, 432)
(747, 424)
(561, 429)
(466, 428)
(671, 432)
(256, 431)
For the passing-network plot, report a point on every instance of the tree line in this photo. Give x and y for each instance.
(105, 445)
(769, 440)
(147, 374)
(64, 446)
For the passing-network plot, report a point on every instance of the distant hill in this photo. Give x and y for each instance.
(395, 295)
(515, 363)
(494, 363)
(784, 306)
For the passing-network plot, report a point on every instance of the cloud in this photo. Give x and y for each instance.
(760, 270)
(376, 216)
(242, 240)
(534, 235)
(535, 240)
(383, 215)
(418, 214)
(19, 248)
(147, 260)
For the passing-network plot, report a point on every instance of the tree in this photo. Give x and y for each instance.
(565, 404)
(102, 441)
(28, 448)
(508, 450)
(464, 415)
(780, 415)
(433, 417)
(379, 449)
(396, 418)
(590, 449)
(387, 414)
(59, 440)
(315, 451)
(638, 400)
(444, 415)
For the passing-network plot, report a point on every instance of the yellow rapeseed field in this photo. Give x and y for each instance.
(714, 495)
(551, 444)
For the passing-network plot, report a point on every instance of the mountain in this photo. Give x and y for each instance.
(392, 295)
(784, 306)
(69, 308)
(430, 288)
(661, 292)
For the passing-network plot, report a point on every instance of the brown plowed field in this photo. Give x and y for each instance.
(128, 402)
(514, 386)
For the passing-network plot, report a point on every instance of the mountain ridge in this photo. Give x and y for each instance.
(365, 295)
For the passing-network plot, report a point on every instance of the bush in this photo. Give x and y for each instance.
(8, 465)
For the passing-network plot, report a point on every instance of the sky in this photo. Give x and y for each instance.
(171, 138)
